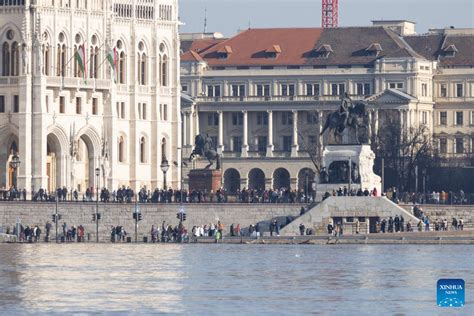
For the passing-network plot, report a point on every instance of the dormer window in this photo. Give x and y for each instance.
(224, 52)
(323, 51)
(450, 51)
(273, 51)
(374, 49)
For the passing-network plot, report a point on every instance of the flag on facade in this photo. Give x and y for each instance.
(80, 56)
(112, 58)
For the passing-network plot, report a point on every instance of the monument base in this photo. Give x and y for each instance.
(205, 180)
(362, 157)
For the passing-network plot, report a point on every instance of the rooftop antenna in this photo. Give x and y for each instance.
(205, 19)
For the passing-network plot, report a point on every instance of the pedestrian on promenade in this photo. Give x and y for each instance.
(47, 229)
(357, 226)
(420, 226)
(154, 233)
(231, 228)
(302, 229)
(461, 224)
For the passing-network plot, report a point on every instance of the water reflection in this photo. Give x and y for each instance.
(199, 279)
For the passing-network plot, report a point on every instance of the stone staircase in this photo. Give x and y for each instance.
(320, 215)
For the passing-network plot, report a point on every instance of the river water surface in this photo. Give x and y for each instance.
(230, 279)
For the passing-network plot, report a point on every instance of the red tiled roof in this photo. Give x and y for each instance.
(250, 47)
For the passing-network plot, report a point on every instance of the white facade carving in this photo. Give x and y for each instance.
(64, 122)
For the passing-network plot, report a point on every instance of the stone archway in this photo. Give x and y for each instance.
(55, 162)
(256, 179)
(84, 165)
(281, 179)
(306, 180)
(231, 180)
(8, 147)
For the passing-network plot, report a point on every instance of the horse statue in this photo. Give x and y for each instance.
(350, 115)
(204, 147)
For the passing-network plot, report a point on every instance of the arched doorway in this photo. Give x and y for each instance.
(53, 162)
(84, 172)
(306, 180)
(281, 179)
(231, 180)
(256, 179)
(8, 148)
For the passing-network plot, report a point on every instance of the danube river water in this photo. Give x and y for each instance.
(230, 279)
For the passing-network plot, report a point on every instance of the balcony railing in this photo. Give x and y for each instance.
(298, 98)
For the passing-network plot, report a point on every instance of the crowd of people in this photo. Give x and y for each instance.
(33, 233)
(127, 195)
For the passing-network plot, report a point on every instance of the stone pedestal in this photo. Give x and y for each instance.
(362, 157)
(205, 180)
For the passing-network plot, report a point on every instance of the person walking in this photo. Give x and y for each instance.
(47, 228)
(302, 229)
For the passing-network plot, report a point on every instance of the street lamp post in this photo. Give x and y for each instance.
(306, 186)
(15, 164)
(97, 174)
(350, 174)
(164, 167)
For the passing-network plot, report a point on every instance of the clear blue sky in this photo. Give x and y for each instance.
(228, 16)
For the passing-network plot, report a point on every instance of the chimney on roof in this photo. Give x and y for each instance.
(401, 27)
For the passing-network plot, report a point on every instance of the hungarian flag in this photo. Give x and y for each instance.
(112, 58)
(80, 56)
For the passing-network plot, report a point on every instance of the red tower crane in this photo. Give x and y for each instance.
(330, 14)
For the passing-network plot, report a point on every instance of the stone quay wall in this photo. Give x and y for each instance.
(31, 213)
(438, 211)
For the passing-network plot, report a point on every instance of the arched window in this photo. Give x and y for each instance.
(164, 71)
(94, 58)
(141, 64)
(46, 59)
(163, 149)
(61, 60)
(121, 62)
(5, 59)
(15, 60)
(142, 150)
(121, 149)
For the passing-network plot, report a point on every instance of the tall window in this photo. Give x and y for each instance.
(16, 103)
(122, 62)
(424, 89)
(121, 149)
(61, 56)
(262, 143)
(95, 106)
(2, 104)
(459, 118)
(287, 118)
(163, 65)
(212, 119)
(78, 106)
(443, 146)
(459, 146)
(286, 143)
(363, 88)
(262, 118)
(338, 88)
(263, 90)
(459, 90)
(238, 90)
(443, 90)
(237, 119)
(237, 144)
(142, 150)
(5, 59)
(287, 89)
(213, 90)
(15, 59)
(46, 55)
(443, 118)
(313, 89)
(142, 63)
(94, 58)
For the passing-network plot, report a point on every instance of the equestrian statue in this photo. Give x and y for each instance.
(350, 115)
(204, 147)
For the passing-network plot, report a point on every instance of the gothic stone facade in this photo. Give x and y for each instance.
(256, 92)
(65, 124)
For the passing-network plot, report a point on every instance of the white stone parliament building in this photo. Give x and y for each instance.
(64, 123)
(255, 93)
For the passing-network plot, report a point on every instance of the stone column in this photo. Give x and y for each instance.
(293, 183)
(369, 131)
(376, 124)
(270, 134)
(295, 147)
(244, 183)
(268, 183)
(192, 117)
(245, 140)
(320, 129)
(184, 131)
(220, 148)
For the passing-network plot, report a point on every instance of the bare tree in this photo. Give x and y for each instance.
(404, 151)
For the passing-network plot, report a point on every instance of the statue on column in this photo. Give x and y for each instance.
(349, 115)
(204, 147)
(25, 57)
